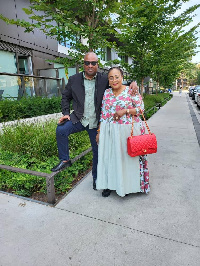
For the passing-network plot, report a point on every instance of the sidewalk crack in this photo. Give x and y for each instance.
(130, 228)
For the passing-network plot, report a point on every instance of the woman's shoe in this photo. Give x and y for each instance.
(106, 192)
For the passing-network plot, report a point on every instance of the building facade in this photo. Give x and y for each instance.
(25, 58)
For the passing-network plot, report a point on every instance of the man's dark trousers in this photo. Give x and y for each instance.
(62, 133)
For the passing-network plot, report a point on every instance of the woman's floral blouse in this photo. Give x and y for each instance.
(112, 103)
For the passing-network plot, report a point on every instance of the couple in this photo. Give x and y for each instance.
(114, 107)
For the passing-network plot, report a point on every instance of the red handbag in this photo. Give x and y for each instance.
(142, 144)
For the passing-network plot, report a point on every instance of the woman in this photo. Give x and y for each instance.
(116, 169)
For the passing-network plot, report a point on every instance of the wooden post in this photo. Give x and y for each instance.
(63, 86)
(45, 87)
(50, 189)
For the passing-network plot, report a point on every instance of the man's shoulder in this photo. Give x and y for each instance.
(102, 79)
(75, 76)
(102, 75)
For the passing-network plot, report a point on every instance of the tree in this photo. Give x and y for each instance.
(172, 56)
(174, 48)
(147, 31)
(72, 20)
(153, 38)
(192, 73)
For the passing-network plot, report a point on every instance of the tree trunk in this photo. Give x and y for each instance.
(142, 86)
(157, 88)
(77, 68)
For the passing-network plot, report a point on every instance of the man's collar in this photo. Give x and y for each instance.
(87, 78)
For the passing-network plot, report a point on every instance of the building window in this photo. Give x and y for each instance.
(23, 64)
(102, 54)
(8, 84)
(123, 58)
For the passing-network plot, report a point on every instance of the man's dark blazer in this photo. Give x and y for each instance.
(75, 92)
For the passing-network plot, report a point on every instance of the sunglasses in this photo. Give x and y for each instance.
(93, 63)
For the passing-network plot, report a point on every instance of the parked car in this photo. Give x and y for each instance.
(191, 90)
(194, 92)
(197, 96)
(198, 100)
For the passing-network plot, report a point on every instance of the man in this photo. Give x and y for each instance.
(86, 90)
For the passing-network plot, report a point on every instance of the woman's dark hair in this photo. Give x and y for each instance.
(118, 68)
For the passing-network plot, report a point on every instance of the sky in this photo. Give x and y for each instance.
(196, 19)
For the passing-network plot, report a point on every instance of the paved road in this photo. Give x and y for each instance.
(160, 229)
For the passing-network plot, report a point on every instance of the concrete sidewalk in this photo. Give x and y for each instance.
(85, 229)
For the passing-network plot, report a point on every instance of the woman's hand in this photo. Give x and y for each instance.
(133, 88)
(119, 114)
(97, 138)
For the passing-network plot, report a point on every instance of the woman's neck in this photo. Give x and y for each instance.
(116, 92)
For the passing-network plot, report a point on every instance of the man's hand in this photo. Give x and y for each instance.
(64, 118)
(133, 88)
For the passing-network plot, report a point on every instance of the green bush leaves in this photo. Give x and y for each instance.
(33, 146)
(28, 107)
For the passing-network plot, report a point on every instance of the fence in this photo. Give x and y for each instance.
(17, 86)
(49, 177)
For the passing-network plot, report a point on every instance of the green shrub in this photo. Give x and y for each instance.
(28, 107)
(33, 146)
(36, 106)
(38, 140)
(26, 185)
(151, 100)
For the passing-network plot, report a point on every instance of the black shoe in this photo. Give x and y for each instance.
(106, 192)
(61, 166)
(94, 185)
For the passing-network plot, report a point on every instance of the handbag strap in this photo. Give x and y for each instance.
(144, 121)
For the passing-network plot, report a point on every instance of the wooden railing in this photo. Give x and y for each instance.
(49, 177)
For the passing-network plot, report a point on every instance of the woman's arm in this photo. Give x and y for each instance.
(135, 111)
(139, 104)
(123, 112)
(102, 107)
(98, 133)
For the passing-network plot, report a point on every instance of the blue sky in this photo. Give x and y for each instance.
(196, 19)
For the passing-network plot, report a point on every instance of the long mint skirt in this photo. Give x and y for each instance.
(116, 169)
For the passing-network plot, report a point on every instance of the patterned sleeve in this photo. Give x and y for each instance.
(138, 104)
(102, 107)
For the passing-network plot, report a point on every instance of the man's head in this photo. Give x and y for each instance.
(90, 64)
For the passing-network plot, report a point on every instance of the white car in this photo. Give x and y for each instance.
(191, 90)
(197, 93)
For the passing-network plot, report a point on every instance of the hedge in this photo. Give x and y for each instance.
(36, 106)
(28, 107)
